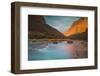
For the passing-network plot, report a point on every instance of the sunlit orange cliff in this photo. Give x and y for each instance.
(77, 27)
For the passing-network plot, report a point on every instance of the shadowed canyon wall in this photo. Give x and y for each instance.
(38, 28)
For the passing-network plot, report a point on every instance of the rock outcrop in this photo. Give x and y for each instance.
(78, 30)
(39, 29)
(77, 27)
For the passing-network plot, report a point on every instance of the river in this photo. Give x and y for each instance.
(44, 50)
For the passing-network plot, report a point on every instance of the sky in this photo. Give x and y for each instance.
(61, 23)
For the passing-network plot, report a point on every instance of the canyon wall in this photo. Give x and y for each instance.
(78, 27)
(37, 28)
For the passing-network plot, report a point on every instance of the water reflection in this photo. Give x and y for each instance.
(45, 50)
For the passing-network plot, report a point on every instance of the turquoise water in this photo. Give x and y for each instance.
(51, 51)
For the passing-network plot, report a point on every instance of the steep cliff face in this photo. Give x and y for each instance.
(78, 27)
(39, 29)
(35, 23)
